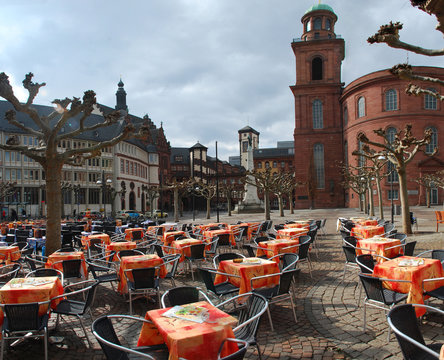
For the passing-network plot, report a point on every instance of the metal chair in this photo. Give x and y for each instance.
(142, 281)
(213, 246)
(403, 321)
(104, 270)
(226, 256)
(23, 321)
(249, 316)
(103, 330)
(72, 270)
(238, 355)
(197, 253)
(46, 272)
(171, 262)
(303, 247)
(132, 252)
(9, 272)
(183, 295)
(73, 307)
(218, 290)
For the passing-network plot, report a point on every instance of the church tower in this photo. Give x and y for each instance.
(318, 125)
(121, 97)
(247, 136)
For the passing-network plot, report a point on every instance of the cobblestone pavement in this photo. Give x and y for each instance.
(330, 320)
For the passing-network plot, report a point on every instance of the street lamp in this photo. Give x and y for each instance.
(76, 189)
(104, 183)
(392, 207)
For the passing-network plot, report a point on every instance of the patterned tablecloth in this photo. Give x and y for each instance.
(431, 268)
(291, 234)
(119, 245)
(86, 239)
(182, 247)
(365, 232)
(298, 224)
(379, 245)
(59, 256)
(251, 267)
(209, 234)
(188, 339)
(8, 254)
(138, 262)
(274, 247)
(366, 222)
(169, 236)
(129, 233)
(28, 290)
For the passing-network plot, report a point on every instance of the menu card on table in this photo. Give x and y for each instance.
(188, 312)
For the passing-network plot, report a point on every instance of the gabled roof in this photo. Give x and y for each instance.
(198, 145)
(247, 129)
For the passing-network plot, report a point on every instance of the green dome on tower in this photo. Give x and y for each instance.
(319, 7)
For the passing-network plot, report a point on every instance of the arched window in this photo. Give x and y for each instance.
(433, 141)
(327, 24)
(390, 134)
(275, 164)
(361, 158)
(391, 100)
(318, 122)
(345, 116)
(318, 157)
(430, 101)
(267, 165)
(346, 153)
(317, 24)
(361, 107)
(316, 68)
(307, 26)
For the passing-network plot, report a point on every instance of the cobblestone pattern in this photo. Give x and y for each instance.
(330, 318)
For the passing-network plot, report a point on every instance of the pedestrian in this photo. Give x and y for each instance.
(14, 216)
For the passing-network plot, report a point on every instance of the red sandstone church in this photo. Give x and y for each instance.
(329, 116)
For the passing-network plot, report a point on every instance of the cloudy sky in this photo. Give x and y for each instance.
(203, 68)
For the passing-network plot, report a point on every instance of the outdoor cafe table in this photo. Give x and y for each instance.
(365, 232)
(68, 255)
(183, 247)
(8, 254)
(378, 246)
(274, 247)
(247, 269)
(298, 224)
(138, 262)
(169, 236)
(86, 239)
(209, 234)
(431, 268)
(189, 339)
(129, 232)
(118, 246)
(29, 290)
(365, 222)
(291, 233)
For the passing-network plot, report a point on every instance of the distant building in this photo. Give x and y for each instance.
(247, 135)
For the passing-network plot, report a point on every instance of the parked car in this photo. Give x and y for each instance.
(93, 215)
(127, 215)
(160, 214)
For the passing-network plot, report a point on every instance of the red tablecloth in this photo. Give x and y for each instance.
(274, 247)
(209, 234)
(137, 262)
(120, 245)
(298, 224)
(129, 233)
(379, 245)
(365, 232)
(59, 256)
(188, 339)
(291, 233)
(366, 222)
(246, 271)
(431, 268)
(169, 236)
(9, 254)
(182, 247)
(86, 240)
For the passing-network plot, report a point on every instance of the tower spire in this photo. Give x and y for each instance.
(121, 97)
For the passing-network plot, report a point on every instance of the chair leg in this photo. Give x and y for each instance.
(269, 318)
(292, 308)
(130, 304)
(258, 351)
(84, 331)
(345, 268)
(365, 315)
(45, 343)
(3, 345)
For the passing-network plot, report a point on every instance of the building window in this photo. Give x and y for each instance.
(282, 164)
(346, 153)
(391, 100)
(392, 194)
(275, 165)
(361, 159)
(259, 165)
(178, 158)
(392, 176)
(267, 165)
(433, 141)
(430, 101)
(327, 24)
(316, 68)
(317, 24)
(317, 114)
(318, 156)
(345, 116)
(390, 134)
(361, 107)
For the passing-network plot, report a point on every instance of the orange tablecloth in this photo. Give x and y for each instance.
(298, 224)
(365, 232)
(208, 235)
(21, 291)
(379, 245)
(138, 262)
(169, 236)
(9, 253)
(120, 245)
(291, 233)
(252, 228)
(59, 256)
(275, 247)
(182, 247)
(246, 272)
(366, 222)
(104, 238)
(129, 232)
(431, 268)
(188, 339)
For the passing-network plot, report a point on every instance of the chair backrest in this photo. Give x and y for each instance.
(72, 268)
(128, 252)
(90, 295)
(22, 317)
(373, 288)
(350, 254)
(366, 263)
(182, 295)
(399, 236)
(289, 261)
(43, 272)
(388, 227)
(350, 241)
(344, 233)
(8, 272)
(238, 354)
(250, 250)
(20, 244)
(226, 256)
(403, 318)
(255, 305)
(197, 251)
(304, 242)
(214, 244)
(105, 329)
(286, 279)
(144, 278)
(207, 278)
(174, 261)
(409, 248)
(224, 240)
(260, 239)
(159, 250)
(438, 254)
(137, 235)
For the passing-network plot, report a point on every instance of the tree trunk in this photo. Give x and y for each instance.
(267, 204)
(406, 226)
(176, 204)
(360, 202)
(290, 199)
(370, 199)
(208, 207)
(281, 205)
(428, 197)
(378, 188)
(364, 195)
(229, 205)
(53, 172)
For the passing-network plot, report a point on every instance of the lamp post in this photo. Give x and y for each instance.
(76, 189)
(104, 183)
(390, 175)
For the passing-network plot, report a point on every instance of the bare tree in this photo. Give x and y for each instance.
(399, 152)
(354, 181)
(389, 34)
(230, 190)
(289, 184)
(177, 187)
(208, 191)
(152, 193)
(48, 130)
(428, 181)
